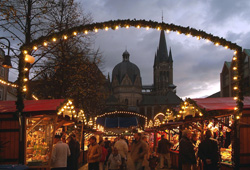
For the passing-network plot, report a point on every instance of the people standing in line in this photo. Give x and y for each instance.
(138, 151)
(163, 150)
(186, 151)
(103, 156)
(60, 153)
(122, 148)
(74, 146)
(208, 152)
(145, 162)
(94, 154)
(114, 160)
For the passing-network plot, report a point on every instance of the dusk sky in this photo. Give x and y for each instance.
(197, 63)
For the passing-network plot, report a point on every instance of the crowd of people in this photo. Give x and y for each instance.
(114, 155)
(191, 151)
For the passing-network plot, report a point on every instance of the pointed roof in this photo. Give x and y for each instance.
(170, 58)
(162, 51)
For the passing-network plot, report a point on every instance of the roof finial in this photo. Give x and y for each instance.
(162, 16)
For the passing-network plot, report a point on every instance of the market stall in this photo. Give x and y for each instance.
(42, 119)
(216, 114)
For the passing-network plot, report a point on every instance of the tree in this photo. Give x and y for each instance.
(69, 69)
(56, 64)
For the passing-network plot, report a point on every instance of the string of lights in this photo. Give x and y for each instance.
(116, 24)
(8, 83)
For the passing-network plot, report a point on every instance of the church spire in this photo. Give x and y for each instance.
(162, 16)
(108, 77)
(162, 52)
(170, 58)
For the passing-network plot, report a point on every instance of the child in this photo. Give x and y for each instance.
(114, 160)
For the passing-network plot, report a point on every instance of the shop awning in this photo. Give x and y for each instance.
(32, 105)
(221, 103)
(115, 122)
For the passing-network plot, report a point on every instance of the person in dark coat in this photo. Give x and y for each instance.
(164, 151)
(209, 152)
(74, 146)
(186, 151)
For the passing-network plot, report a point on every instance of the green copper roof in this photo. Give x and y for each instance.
(247, 51)
(228, 64)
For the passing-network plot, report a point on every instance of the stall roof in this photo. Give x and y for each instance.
(221, 103)
(32, 105)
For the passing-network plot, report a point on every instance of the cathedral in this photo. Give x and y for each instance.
(128, 93)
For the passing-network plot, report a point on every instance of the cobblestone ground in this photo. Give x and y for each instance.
(129, 164)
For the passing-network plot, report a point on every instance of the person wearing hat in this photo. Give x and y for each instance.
(60, 153)
(94, 154)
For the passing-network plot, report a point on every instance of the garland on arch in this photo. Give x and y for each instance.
(115, 24)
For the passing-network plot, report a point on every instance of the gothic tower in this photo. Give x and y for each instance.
(163, 68)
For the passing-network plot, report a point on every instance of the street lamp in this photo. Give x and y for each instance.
(6, 63)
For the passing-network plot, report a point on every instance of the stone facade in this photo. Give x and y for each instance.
(128, 92)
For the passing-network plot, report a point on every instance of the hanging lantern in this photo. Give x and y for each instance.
(7, 62)
(29, 59)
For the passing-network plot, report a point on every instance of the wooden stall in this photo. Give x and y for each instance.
(225, 106)
(218, 110)
(42, 119)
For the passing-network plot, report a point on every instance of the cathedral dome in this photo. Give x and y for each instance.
(125, 67)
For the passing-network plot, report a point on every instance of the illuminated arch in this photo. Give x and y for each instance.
(159, 114)
(123, 112)
(114, 25)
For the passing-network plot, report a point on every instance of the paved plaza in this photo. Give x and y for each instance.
(129, 164)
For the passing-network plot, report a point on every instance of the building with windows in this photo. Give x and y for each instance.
(128, 93)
